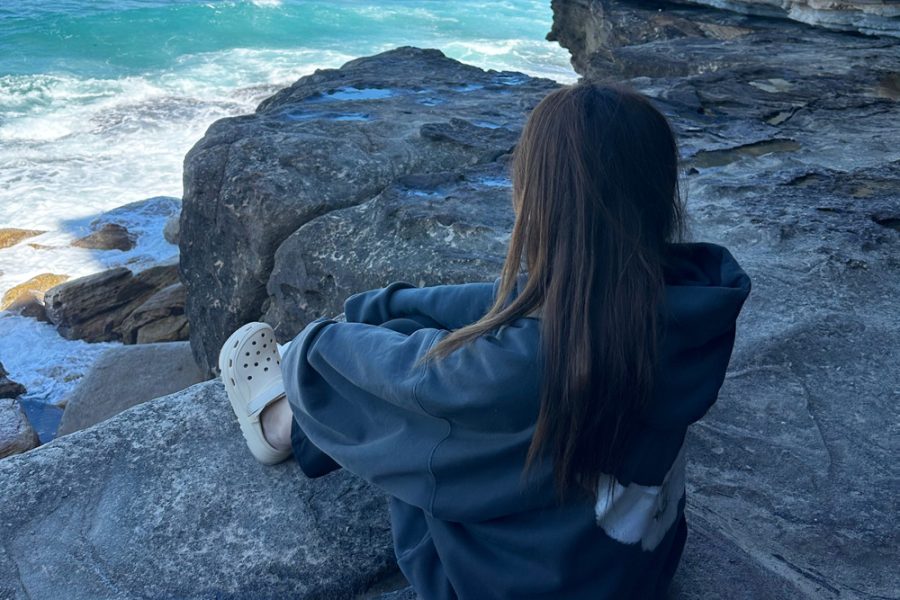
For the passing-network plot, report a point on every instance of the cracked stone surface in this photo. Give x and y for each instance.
(790, 139)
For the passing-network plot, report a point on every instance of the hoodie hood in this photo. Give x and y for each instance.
(705, 290)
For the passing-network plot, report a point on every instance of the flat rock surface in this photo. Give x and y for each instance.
(165, 501)
(125, 376)
(789, 135)
(334, 139)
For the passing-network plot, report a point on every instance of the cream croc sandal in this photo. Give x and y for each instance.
(250, 365)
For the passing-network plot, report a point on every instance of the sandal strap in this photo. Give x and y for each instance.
(265, 397)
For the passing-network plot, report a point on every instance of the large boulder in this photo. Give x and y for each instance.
(789, 163)
(94, 308)
(334, 139)
(165, 501)
(425, 229)
(126, 376)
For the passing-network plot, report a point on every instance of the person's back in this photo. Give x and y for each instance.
(530, 432)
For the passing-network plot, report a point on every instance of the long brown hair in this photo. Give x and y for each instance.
(595, 190)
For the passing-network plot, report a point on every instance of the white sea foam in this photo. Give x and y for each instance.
(37, 357)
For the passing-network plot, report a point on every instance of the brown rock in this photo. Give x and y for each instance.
(111, 236)
(16, 433)
(8, 387)
(28, 297)
(10, 236)
(93, 308)
(160, 319)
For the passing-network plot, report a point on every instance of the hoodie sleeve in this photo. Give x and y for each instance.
(447, 306)
(362, 395)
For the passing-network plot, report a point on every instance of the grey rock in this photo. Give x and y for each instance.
(172, 229)
(110, 236)
(8, 387)
(126, 376)
(791, 162)
(16, 433)
(334, 139)
(94, 308)
(165, 501)
(160, 319)
(424, 229)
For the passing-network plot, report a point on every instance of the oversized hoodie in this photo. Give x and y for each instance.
(447, 439)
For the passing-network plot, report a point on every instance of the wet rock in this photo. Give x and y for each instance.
(94, 308)
(160, 319)
(126, 376)
(10, 236)
(792, 164)
(334, 139)
(8, 387)
(27, 298)
(16, 433)
(110, 236)
(165, 501)
(424, 229)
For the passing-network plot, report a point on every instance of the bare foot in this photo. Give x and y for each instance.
(276, 420)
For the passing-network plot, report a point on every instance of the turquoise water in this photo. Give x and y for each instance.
(101, 99)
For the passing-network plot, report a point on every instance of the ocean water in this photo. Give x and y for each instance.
(101, 99)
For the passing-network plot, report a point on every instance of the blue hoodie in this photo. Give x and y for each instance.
(447, 439)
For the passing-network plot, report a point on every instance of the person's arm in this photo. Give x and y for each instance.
(436, 435)
(449, 306)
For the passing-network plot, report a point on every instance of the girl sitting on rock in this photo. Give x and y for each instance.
(529, 432)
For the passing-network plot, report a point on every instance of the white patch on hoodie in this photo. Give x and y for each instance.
(641, 513)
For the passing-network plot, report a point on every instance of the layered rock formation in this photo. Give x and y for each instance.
(791, 157)
(118, 305)
(873, 17)
(334, 139)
